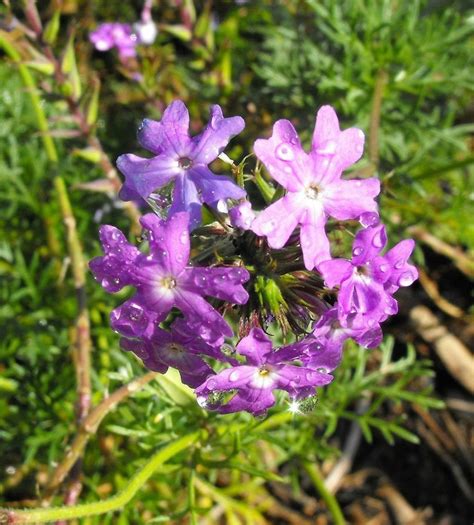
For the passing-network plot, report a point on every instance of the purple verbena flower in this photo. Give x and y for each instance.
(115, 34)
(179, 348)
(369, 279)
(313, 182)
(163, 279)
(265, 370)
(329, 336)
(183, 160)
(242, 215)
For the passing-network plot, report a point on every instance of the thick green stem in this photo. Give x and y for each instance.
(18, 517)
(29, 83)
(329, 499)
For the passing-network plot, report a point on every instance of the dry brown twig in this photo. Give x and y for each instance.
(462, 261)
(432, 290)
(455, 356)
(89, 427)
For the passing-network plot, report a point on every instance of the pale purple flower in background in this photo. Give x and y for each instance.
(313, 182)
(242, 215)
(163, 279)
(265, 370)
(183, 160)
(114, 34)
(369, 279)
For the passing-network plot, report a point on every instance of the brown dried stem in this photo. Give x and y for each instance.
(463, 262)
(89, 427)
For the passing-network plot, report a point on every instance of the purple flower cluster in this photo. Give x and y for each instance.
(176, 317)
(114, 34)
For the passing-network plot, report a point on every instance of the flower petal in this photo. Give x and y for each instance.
(215, 137)
(335, 271)
(313, 238)
(144, 176)
(256, 347)
(213, 187)
(348, 199)
(223, 283)
(278, 221)
(169, 241)
(284, 157)
(186, 198)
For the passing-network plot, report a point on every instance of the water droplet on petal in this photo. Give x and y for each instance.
(135, 312)
(399, 264)
(378, 239)
(322, 370)
(285, 152)
(164, 253)
(357, 251)
(268, 227)
(179, 258)
(384, 268)
(329, 148)
(234, 375)
(184, 238)
(211, 384)
(406, 279)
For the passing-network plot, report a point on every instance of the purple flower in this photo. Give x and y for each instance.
(115, 34)
(163, 280)
(265, 370)
(368, 280)
(313, 182)
(242, 215)
(178, 348)
(329, 337)
(183, 160)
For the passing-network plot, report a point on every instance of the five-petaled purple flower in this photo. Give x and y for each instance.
(368, 281)
(114, 34)
(265, 370)
(182, 159)
(163, 279)
(313, 182)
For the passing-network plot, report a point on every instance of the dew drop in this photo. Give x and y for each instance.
(378, 239)
(135, 313)
(234, 375)
(406, 279)
(268, 227)
(322, 370)
(383, 268)
(285, 152)
(399, 264)
(329, 148)
(183, 238)
(164, 253)
(211, 384)
(357, 251)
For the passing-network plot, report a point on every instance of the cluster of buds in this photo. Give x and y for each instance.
(253, 272)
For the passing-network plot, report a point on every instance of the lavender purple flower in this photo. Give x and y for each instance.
(265, 371)
(369, 279)
(114, 34)
(313, 182)
(163, 280)
(183, 160)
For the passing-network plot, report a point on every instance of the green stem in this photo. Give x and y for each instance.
(29, 83)
(18, 517)
(331, 502)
